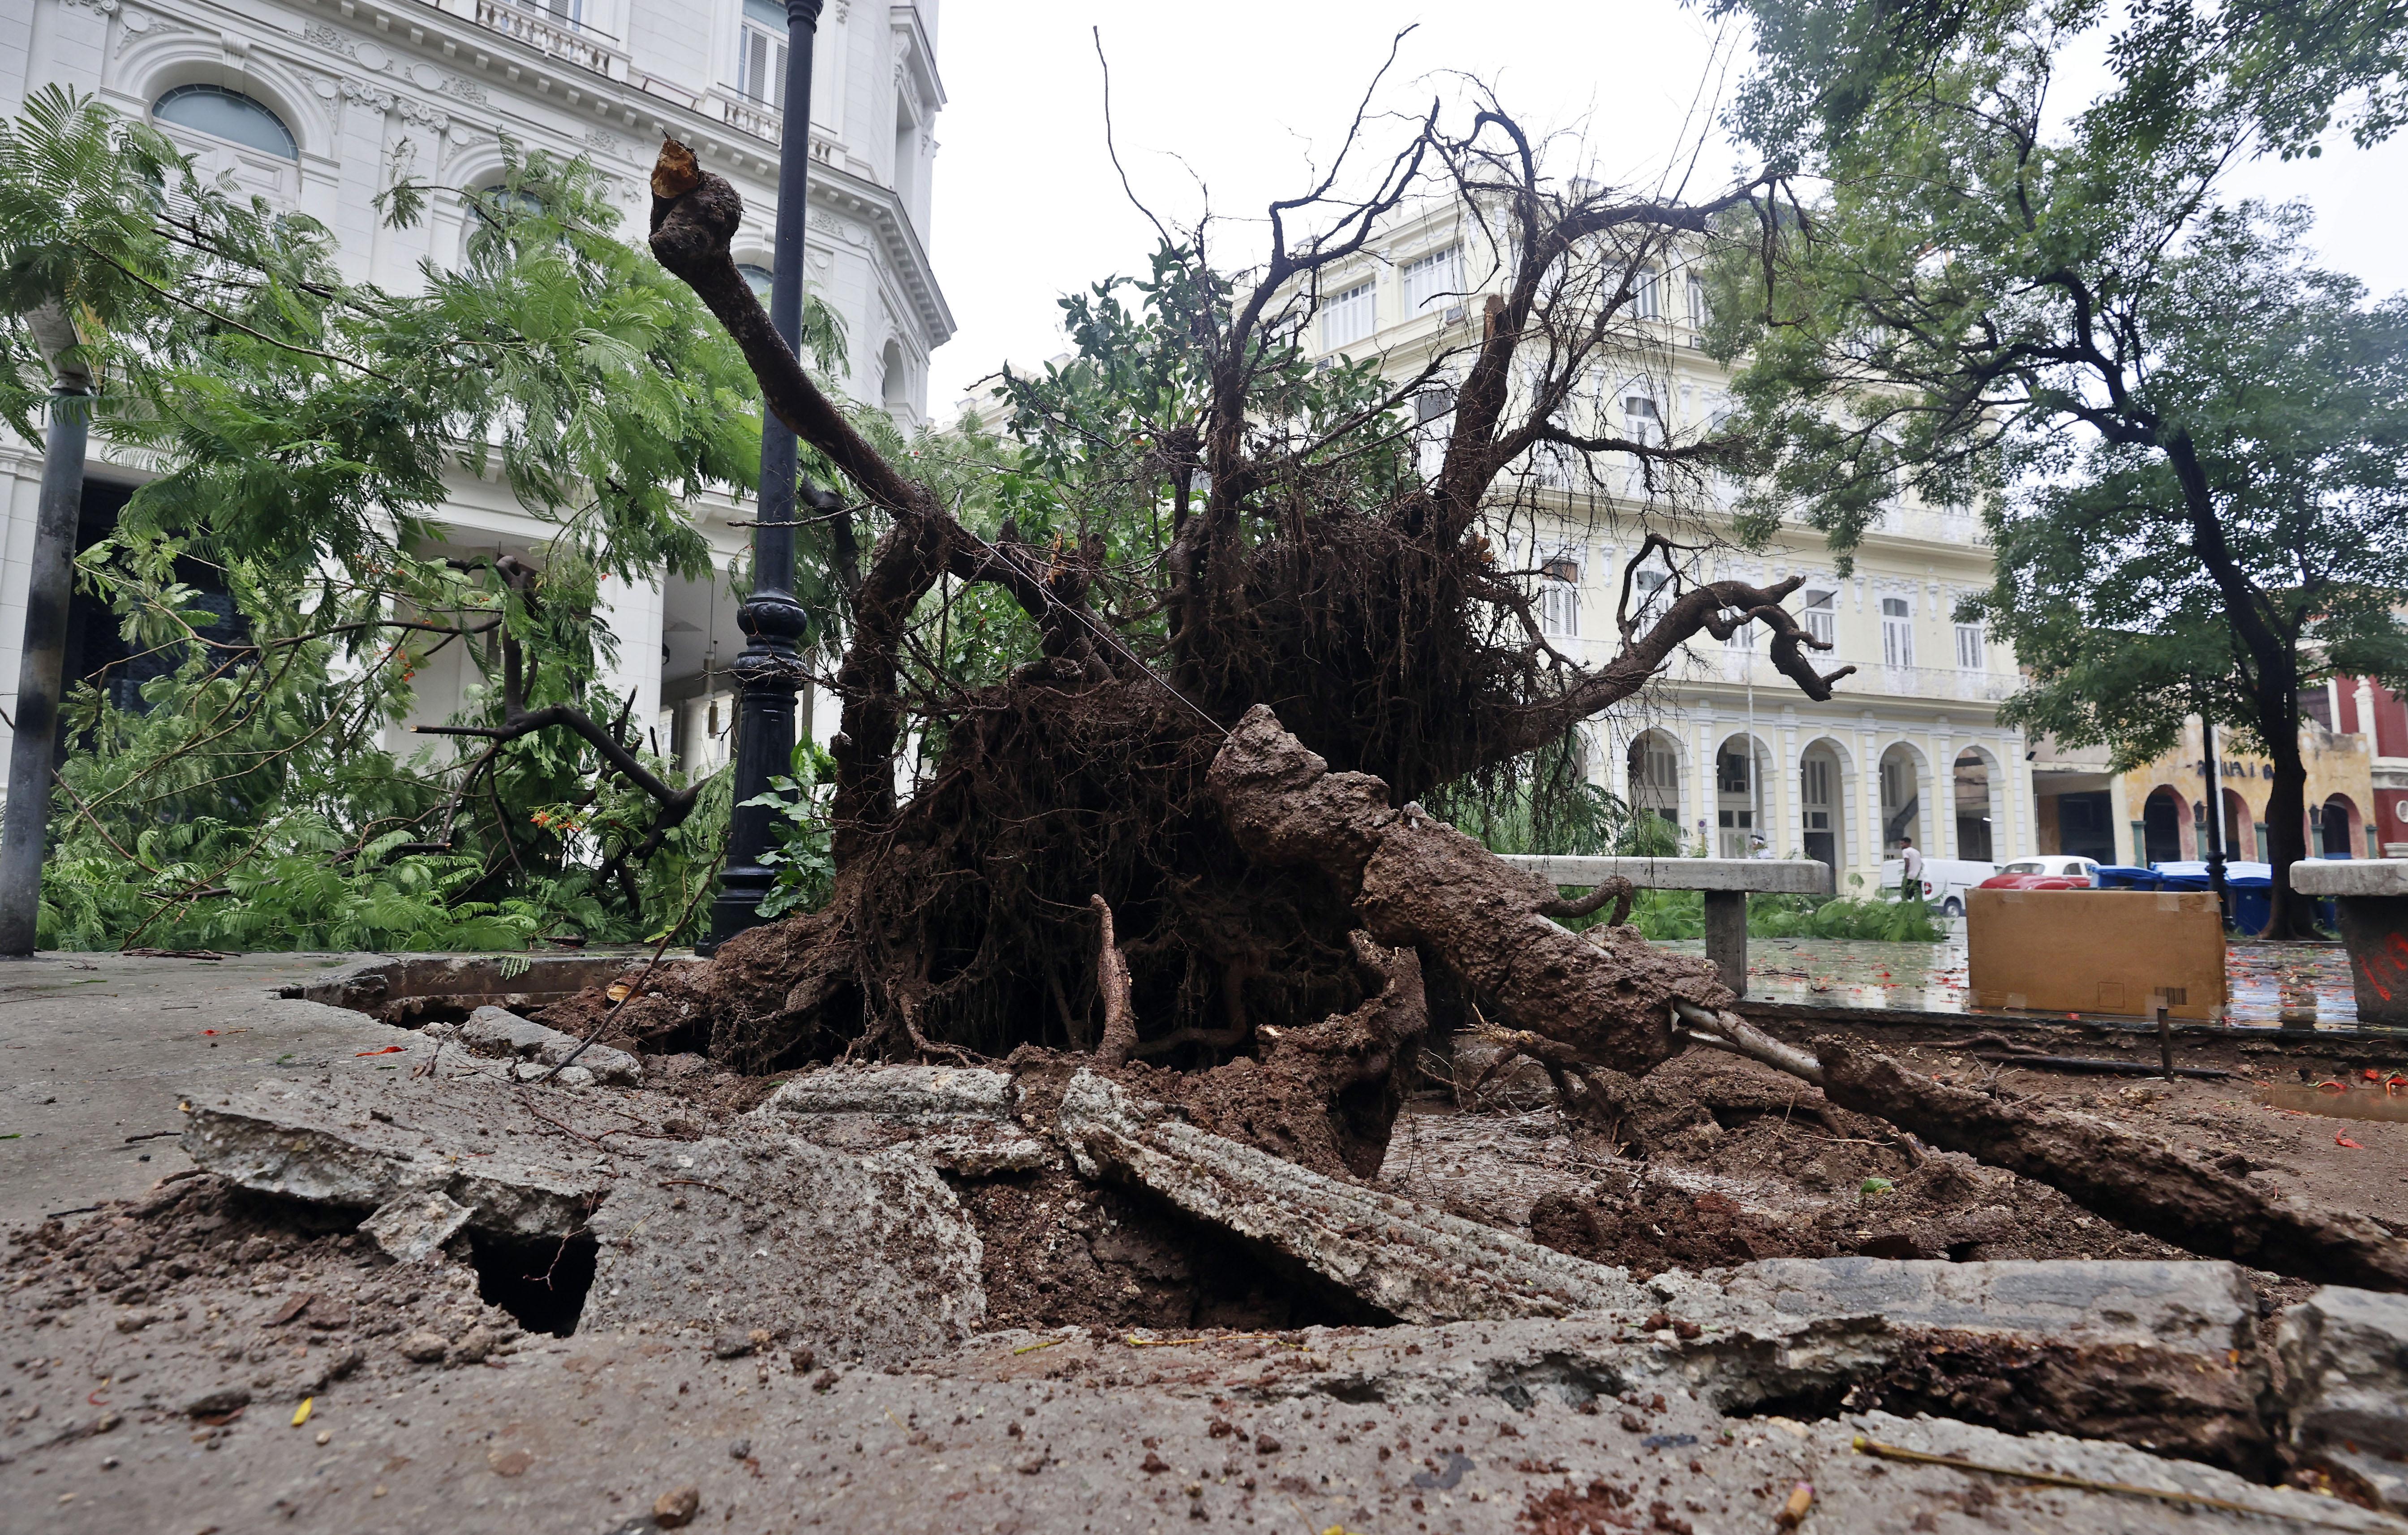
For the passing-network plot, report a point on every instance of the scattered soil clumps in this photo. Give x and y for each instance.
(299, 1297)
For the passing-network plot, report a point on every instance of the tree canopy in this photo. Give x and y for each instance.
(2186, 440)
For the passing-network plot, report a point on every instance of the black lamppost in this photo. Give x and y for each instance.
(769, 671)
(49, 587)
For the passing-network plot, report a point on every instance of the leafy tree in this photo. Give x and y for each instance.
(307, 428)
(2186, 443)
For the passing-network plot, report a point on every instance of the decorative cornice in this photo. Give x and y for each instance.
(439, 35)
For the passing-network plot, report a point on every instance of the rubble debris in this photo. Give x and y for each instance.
(1410, 1262)
(863, 1256)
(2345, 1357)
(363, 1145)
(498, 1033)
(417, 1224)
(960, 1118)
(2162, 1356)
(675, 1509)
(2159, 1355)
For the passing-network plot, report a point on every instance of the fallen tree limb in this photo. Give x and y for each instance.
(2136, 1181)
(1752, 1041)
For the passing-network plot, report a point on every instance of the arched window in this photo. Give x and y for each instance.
(759, 278)
(226, 114)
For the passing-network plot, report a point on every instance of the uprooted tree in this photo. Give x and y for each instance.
(1300, 562)
(1187, 828)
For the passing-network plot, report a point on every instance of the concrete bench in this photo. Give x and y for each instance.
(1728, 882)
(2371, 897)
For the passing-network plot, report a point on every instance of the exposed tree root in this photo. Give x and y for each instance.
(2135, 1180)
(1415, 881)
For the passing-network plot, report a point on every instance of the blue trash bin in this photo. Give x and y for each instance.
(2253, 903)
(2125, 877)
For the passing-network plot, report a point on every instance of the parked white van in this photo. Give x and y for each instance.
(1945, 880)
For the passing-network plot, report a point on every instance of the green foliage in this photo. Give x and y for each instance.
(1665, 914)
(2291, 392)
(1842, 917)
(806, 866)
(308, 429)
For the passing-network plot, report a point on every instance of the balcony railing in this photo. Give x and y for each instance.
(1743, 667)
(1943, 682)
(761, 120)
(556, 36)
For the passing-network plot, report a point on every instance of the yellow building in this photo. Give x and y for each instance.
(2355, 738)
(1911, 746)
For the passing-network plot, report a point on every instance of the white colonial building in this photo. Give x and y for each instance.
(1726, 746)
(319, 104)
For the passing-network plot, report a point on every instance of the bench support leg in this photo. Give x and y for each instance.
(2375, 929)
(1726, 937)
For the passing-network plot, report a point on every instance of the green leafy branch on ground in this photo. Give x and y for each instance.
(282, 584)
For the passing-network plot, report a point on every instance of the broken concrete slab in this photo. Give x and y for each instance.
(900, 1094)
(498, 1033)
(859, 1258)
(415, 1224)
(363, 1145)
(2345, 1390)
(2158, 1354)
(2206, 1307)
(1828, 1343)
(1409, 1261)
(959, 1117)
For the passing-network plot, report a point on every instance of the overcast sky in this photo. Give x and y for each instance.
(1238, 101)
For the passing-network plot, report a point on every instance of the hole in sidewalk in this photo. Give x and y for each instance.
(541, 1283)
(1060, 1251)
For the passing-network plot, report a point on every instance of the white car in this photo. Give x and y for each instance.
(1945, 880)
(2058, 865)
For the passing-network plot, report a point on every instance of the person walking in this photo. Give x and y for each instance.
(1910, 868)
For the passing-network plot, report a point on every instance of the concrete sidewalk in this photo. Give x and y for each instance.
(94, 1048)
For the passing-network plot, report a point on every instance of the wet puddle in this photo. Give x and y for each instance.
(2291, 985)
(2361, 1101)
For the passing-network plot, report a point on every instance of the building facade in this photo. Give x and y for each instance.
(2355, 741)
(320, 105)
(1724, 747)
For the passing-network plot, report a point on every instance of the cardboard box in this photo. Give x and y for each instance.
(2096, 951)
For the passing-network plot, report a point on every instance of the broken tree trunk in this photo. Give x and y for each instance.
(1418, 883)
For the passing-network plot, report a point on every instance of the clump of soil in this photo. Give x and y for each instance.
(1061, 1251)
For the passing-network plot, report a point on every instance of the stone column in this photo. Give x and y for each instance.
(1709, 802)
(1792, 840)
(1868, 785)
(1944, 771)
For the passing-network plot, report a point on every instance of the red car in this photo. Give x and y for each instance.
(2054, 872)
